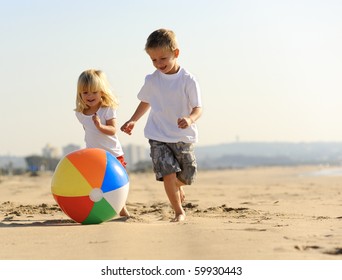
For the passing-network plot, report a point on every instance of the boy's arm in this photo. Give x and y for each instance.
(187, 121)
(195, 114)
(139, 112)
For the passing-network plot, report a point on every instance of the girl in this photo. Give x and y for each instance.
(96, 111)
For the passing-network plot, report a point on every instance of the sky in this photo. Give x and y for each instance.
(268, 70)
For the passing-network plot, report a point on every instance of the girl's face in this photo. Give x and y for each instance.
(92, 98)
(164, 60)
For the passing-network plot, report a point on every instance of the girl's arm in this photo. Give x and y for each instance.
(109, 128)
(139, 112)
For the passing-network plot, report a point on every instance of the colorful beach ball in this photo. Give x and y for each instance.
(90, 186)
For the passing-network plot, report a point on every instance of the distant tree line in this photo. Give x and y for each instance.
(36, 164)
(39, 163)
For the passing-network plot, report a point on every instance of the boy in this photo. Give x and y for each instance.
(173, 95)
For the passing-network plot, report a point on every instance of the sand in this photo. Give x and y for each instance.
(274, 213)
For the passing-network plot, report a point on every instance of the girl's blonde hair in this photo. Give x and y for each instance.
(94, 80)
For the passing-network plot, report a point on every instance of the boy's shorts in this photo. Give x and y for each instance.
(179, 158)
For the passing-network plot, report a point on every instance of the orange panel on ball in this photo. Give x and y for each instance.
(93, 168)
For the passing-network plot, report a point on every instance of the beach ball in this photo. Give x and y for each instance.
(90, 186)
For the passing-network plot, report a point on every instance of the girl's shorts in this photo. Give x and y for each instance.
(122, 161)
(179, 158)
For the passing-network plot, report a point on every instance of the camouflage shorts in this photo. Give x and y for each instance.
(179, 158)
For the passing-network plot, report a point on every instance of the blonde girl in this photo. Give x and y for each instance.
(96, 111)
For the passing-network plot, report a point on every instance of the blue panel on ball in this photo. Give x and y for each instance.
(115, 175)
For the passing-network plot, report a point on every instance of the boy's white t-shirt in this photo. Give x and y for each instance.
(95, 138)
(170, 97)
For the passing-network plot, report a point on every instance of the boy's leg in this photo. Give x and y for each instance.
(180, 185)
(164, 162)
(173, 192)
(184, 153)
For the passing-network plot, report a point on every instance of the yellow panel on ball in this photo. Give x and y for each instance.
(68, 181)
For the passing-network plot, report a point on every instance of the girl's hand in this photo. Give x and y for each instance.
(96, 120)
(108, 128)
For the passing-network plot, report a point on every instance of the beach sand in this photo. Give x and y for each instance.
(276, 213)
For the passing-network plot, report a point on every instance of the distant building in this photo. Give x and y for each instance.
(135, 154)
(70, 148)
(50, 152)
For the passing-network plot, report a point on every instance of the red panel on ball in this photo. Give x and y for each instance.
(77, 207)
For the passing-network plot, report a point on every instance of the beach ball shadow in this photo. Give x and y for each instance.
(90, 186)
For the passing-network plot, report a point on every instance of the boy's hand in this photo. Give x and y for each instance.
(128, 127)
(184, 122)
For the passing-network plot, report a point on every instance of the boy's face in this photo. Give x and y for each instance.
(164, 60)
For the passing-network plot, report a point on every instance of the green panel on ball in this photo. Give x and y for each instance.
(101, 212)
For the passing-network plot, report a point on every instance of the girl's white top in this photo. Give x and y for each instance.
(170, 97)
(95, 138)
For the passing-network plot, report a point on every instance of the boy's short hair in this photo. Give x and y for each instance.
(162, 38)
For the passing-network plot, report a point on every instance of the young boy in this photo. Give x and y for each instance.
(173, 95)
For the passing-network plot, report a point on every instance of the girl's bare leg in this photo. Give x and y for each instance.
(124, 212)
(173, 192)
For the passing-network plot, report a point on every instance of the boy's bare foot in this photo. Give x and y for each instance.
(124, 212)
(178, 218)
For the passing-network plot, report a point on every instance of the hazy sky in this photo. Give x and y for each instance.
(268, 70)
